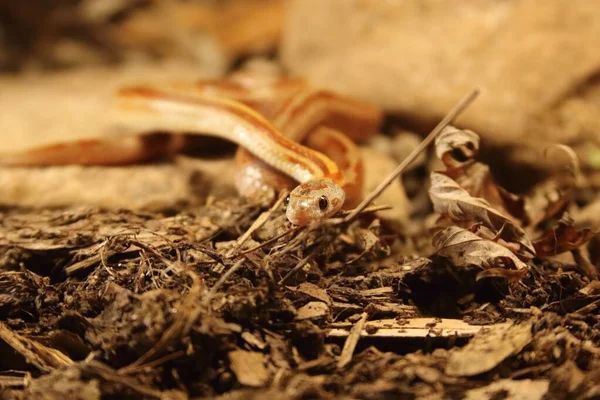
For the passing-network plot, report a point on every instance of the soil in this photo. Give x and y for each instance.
(191, 304)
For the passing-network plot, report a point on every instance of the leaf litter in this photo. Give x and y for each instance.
(230, 300)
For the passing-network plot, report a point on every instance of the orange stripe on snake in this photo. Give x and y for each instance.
(221, 108)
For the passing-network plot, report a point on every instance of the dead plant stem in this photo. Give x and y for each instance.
(449, 118)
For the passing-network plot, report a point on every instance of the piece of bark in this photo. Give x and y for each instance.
(249, 367)
(351, 341)
(43, 358)
(409, 328)
(62, 384)
(312, 310)
(535, 61)
(525, 389)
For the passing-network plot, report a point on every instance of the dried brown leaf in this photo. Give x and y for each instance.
(510, 275)
(546, 201)
(571, 166)
(457, 150)
(456, 147)
(451, 200)
(552, 197)
(464, 248)
(476, 178)
(488, 349)
(314, 291)
(560, 238)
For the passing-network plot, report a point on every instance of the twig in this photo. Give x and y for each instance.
(156, 362)
(352, 341)
(110, 375)
(589, 308)
(188, 313)
(449, 118)
(171, 266)
(221, 281)
(260, 221)
(298, 266)
(584, 265)
(269, 241)
(370, 209)
(362, 207)
(104, 257)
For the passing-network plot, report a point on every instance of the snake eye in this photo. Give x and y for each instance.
(323, 203)
(287, 200)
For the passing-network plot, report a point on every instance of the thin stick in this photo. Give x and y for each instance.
(258, 222)
(449, 118)
(301, 263)
(370, 209)
(352, 341)
(213, 290)
(460, 107)
(268, 241)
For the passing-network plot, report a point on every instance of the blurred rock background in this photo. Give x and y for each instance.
(536, 62)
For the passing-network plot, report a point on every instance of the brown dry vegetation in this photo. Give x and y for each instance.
(158, 281)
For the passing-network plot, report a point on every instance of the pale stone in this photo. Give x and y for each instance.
(534, 60)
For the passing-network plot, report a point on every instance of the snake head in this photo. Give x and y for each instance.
(314, 201)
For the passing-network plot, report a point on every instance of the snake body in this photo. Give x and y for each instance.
(252, 115)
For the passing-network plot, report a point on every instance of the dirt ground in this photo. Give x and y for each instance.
(158, 281)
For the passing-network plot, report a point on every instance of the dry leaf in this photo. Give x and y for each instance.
(478, 181)
(314, 291)
(552, 197)
(464, 249)
(561, 238)
(546, 201)
(451, 200)
(456, 147)
(457, 150)
(571, 165)
(488, 349)
(510, 275)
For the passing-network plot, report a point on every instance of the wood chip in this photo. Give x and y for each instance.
(352, 341)
(410, 328)
(381, 291)
(249, 367)
(391, 310)
(44, 358)
(8, 381)
(254, 340)
(525, 389)
(339, 307)
(312, 310)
